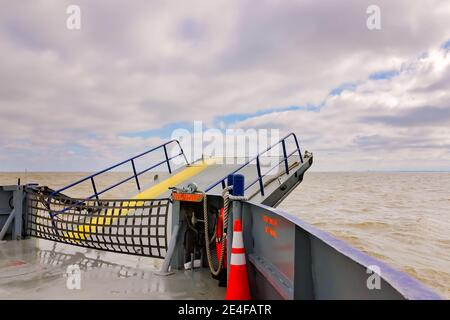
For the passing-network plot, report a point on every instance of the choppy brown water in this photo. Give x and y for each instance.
(402, 219)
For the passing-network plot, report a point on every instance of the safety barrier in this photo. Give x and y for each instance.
(256, 159)
(137, 227)
(134, 176)
(260, 176)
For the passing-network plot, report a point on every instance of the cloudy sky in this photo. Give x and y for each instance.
(359, 99)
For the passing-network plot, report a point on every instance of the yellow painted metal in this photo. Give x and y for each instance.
(96, 223)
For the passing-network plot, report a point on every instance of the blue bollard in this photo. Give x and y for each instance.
(230, 180)
(238, 185)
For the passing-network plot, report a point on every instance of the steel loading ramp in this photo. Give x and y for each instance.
(264, 184)
(137, 225)
(203, 172)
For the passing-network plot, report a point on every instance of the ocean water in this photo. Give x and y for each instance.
(402, 219)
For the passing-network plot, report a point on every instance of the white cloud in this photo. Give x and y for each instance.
(397, 123)
(140, 66)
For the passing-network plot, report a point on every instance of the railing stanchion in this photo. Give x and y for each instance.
(182, 152)
(285, 157)
(260, 176)
(94, 188)
(298, 147)
(167, 159)
(258, 168)
(135, 175)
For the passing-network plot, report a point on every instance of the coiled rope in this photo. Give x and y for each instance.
(226, 207)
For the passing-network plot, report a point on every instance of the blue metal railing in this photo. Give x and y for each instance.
(135, 175)
(167, 160)
(258, 164)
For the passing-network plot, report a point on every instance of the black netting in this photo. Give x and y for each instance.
(129, 226)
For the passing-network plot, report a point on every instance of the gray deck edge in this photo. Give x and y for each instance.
(409, 287)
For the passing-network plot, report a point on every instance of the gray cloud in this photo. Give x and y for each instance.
(413, 117)
(140, 66)
(388, 143)
(381, 124)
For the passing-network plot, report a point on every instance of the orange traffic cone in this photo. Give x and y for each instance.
(238, 287)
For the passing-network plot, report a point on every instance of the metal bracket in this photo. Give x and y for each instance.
(165, 269)
(15, 214)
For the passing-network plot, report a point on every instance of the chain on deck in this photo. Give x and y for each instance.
(130, 226)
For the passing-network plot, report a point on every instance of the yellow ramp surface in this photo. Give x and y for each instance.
(153, 192)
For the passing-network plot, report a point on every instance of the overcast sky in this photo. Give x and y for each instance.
(359, 99)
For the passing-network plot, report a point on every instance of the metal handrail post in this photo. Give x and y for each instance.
(135, 174)
(258, 168)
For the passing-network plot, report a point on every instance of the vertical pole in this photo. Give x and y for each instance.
(94, 188)
(236, 212)
(258, 168)
(167, 159)
(18, 212)
(298, 147)
(283, 143)
(182, 152)
(135, 175)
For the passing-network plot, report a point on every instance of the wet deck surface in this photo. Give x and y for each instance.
(38, 269)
